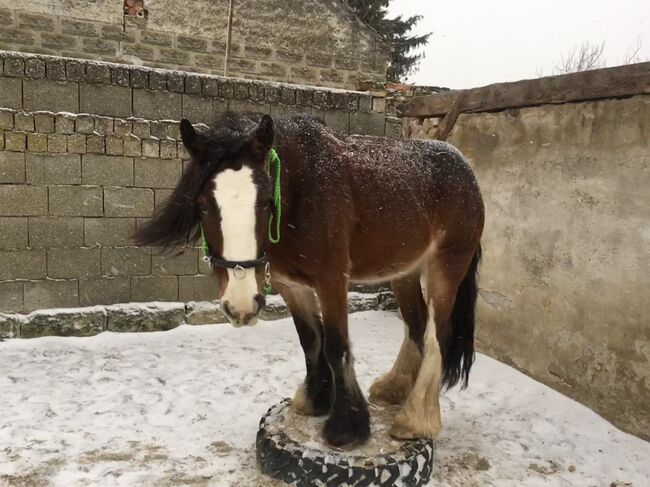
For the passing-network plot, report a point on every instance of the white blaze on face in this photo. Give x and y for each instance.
(236, 194)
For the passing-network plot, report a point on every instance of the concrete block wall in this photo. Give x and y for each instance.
(88, 150)
(318, 43)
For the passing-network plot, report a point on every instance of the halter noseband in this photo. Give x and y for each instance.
(234, 264)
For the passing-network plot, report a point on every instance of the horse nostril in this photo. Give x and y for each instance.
(260, 302)
(225, 307)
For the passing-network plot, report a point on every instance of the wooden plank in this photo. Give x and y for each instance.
(618, 81)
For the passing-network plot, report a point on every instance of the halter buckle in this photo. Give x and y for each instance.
(239, 272)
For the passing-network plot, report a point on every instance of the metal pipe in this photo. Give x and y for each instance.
(229, 37)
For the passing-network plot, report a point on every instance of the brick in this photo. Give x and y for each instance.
(192, 84)
(132, 146)
(240, 90)
(75, 201)
(113, 101)
(85, 124)
(12, 167)
(226, 89)
(273, 69)
(64, 124)
(175, 264)
(256, 91)
(55, 69)
(104, 291)
(331, 76)
(15, 141)
(138, 79)
(102, 170)
(173, 56)
(55, 41)
(98, 73)
(11, 93)
(157, 80)
(172, 130)
(14, 67)
(344, 101)
(257, 52)
(55, 232)
(213, 61)
(175, 82)
(53, 96)
(50, 294)
(168, 149)
(77, 144)
(13, 233)
(35, 21)
(120, 76)
(304, 74)
(319, 60)
(53, 169)
(348, 63)
(103, 125)
(11, 297)
(75, 71)
(128, 202)
(100, 46)
(78, 27)
(293, 57)
(321, 99)
(17, 36)
(273, 93)
(35, 68)
(126, 261)
(157, 38)
(21, 200)
(37, 142)
(198, 109)
(367, 123)
(151, 148)
(191, 43)
(114, 145)
(112, 31)
(95, 144)
(141, 129)
(305, 97)
(6, 118)
(22, 264)
(197, 288)
(57, 143)
(157, 129)
(288, 96)
(122, 127)
(108, 231)
(210, 86)
(154, 288)
(73, 263)
(44, 123)
(154, 105)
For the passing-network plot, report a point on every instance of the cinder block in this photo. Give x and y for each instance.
(132, 146)
(174, 264)
(55, 232)
(24, 122)
(198, 288)
(114, 101)
(52, 96)
(98, 73)
(156, 105)
(81, 323)
(114, 145)
(11, 93)
(21, 200)
(14, 66)
(191, 43)
(103, 125)
(157, 38)
(55, 69)
(51, 294)
(123, 128)
(85, 124)
(151, 148)
(248, 106)
(13, 233)
(64, 124)
(44, 123)
(6, 118)
(109, 231)
(15, 141)
(76, 201)
(103, 170)
(198, 109)
(57, 143)
(35, 21)
(37, 142)
(12, 167)
(141, 129)
(35, 68)
(76, 144)
(48, 169)
(126, 261)
(73, 263)
(120, 76)
(100, 46)
(168, 149)
(78, 27)
(104, 291)
(128, 202)
(157, 173)
(141, 318)
(95, 144)
(154, 288)
(22, 264)
(367, 123)
(58, 42)
(173, 56)
(11, 301)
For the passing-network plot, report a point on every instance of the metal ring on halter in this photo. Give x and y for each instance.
(239, 272)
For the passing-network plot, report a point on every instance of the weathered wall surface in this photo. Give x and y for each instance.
(88, 150)
(565, 280)
(315, 42)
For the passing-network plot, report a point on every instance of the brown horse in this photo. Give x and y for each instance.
(354, 209)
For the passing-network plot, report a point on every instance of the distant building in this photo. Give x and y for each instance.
(314, 42)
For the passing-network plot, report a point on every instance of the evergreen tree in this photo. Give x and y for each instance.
(396, 33)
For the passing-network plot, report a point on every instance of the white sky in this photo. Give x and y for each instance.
(478, 42)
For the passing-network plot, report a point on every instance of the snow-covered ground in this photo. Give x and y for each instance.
(182, 408)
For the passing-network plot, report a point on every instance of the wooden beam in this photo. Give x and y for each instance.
(619, 81)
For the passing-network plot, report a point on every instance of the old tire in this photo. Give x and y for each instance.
(289, 449)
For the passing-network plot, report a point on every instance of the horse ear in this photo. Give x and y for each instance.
(189, 135)
(262, 137)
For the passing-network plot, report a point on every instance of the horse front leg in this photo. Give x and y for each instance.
(313, 396)
(349, 420)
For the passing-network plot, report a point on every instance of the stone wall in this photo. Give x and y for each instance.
(88, 150)
(315, 42)
(565, 276)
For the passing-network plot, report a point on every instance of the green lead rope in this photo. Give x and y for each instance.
(274, 159)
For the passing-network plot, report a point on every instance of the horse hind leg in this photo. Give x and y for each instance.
(451, 285)
(395, 386)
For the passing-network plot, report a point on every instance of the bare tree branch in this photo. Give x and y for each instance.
(632, 54)
(582, 58)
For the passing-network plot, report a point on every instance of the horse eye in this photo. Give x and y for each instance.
(203, 209)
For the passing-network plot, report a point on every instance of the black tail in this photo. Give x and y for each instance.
(459, 356)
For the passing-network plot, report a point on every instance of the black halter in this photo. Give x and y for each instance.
(236, 264)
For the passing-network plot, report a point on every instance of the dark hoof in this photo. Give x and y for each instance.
(347, 429)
